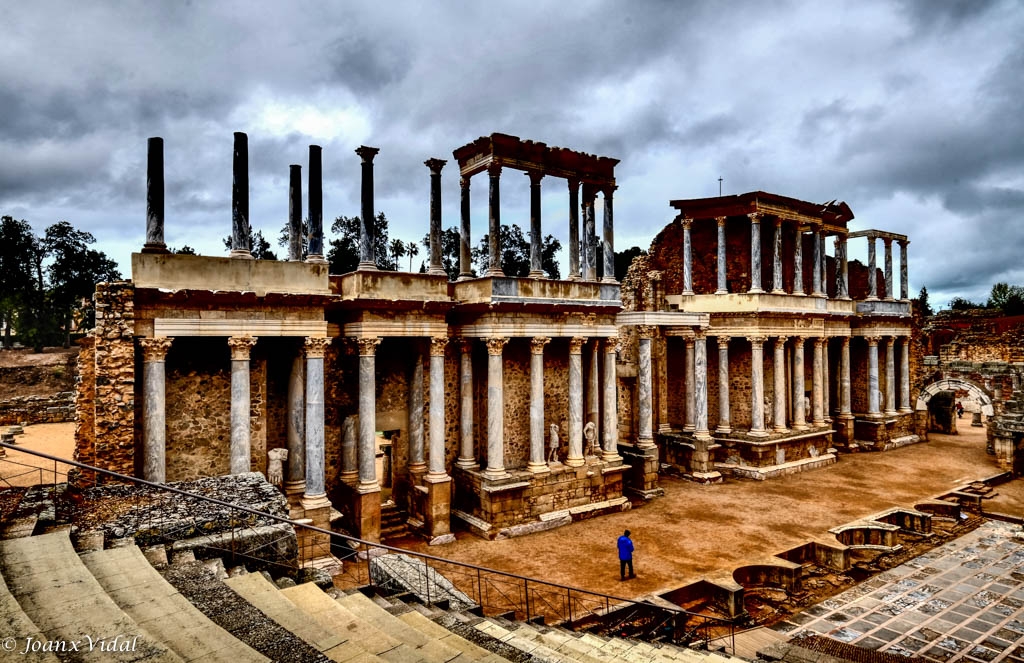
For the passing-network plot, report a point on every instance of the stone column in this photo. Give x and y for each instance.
(826, 383)
(905, 374)
(799, 288)
(687, 258)
(367, 247)
(495, 409)
(315, 250)
(844, 379)
(494, 221)
(574, 229)
(349, 450)
(724, 425)
(777, 286)
(536, 268)
(817, 383)
(757, 428)
(315, 495)
(155, 197)
(689, 424)
(575, 457)
(843, 273)
(755, 252)
(594, 387)
(608, 237)
(417, 461)
(722, 282)
(467, 458)
(537, 462)
(890, 377)
(872, 267)
(295, 429)
(799, 411)
(294, 215)
(887, 243)
(610, 409)
(644, 387)
(779, 374)
(437, 430)
(904, 277)
(435, 166)
(816, 285)
(368, 415)
(240, 429)
(154, 428)
(873, 406)
(589, 236)
(465, 252)
(240, 199)
(700, 384)
(823, 265)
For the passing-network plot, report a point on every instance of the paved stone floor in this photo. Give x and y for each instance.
(963, 601)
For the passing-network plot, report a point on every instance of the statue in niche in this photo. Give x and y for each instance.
(275, 471)
(554, 443)
(769, 414)
(590, 433)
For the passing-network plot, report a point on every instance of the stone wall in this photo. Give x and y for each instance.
(58, 408)
(85, 406)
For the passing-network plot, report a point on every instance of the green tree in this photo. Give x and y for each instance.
(185, 250)
(343, 255)
(922, 303)
(397, 250)
(623, 259)
(282, 238)
(17, 246)
(259, 247)
(515, 253)
(449, 251)
(1009, 298)
(963, 304)
(412, 249)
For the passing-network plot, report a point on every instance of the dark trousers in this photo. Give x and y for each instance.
(622, 567)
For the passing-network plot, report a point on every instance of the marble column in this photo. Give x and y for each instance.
(315, 495)
(240, 427)
(367, 451)
(823, 265)
(575, 457)
(465, 251)
(594, 387)
(417, 459)
(689, 424)
(349, 450)
(845, 405)
(240, 199)
(872, 268)
(887, 244)
(154, 426)
(873, 406)
(467, 458)
(495, 409)
(843, 273)
(779, 374)
(755, 252)
(816, 284)
(435, 166)
(724, 426)
(610, 409)
(295, 426)
(777, 286)
(608, 237)
(155, 197)
(315, 250)
(537, 462)
(294, 215)
(817, 385)
(367, 246)
(536, 269)
(890, 377)
(722, 281)
(799, 287)
(494, 220)
(700, 384)
(436, 469)
(905, 374)
(574, 229)
(757, 428)
(904, 277)
(589, 237)
(687, 257)
(799, 410)
(826, 383)
(644, 386)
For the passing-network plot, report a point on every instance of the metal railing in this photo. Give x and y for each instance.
(158, 514)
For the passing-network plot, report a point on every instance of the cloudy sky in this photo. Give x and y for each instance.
(911, 112)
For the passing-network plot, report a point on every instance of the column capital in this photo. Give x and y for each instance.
(607, 190)
(535, 176)
(574, 184)
(686, 222)
(316, 346)
(689, 341)
(800, 338)
(846, 341)
(887, 241)
(240, 347)
(720, 220)
(612, 344)
(781, 338)
(755, 217)
(873, 340)
(757, 338)
(779, 221)
(465, 344)
(367, 153)
(903, 243)
(819, 341)
(464, 181)
(437, 345)
(723, 339)
(494, 169)
(495, 345)
(646, 331)
(368, 346)
(576, 344)
(155, 348)
(435, 165)
(537, 344)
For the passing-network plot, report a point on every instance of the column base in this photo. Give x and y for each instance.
(417, 468)
(366, 266)
(870, 298)
(467, 464)
(905, 410)
(890, 413)
(537, 468)
(536, 274)
(689, 428)
(780, 429)
(495, 473)
(574, 277)
(495, 272)
(241, 254)
(778, 291)
(293, 492)
(800, 293)
(610, 279)
(364, 487)
(755, 291)
(801, 427)
(611, 457)
(464, 276)
(316, 260)
(575, 462)
(315, 502)
(818, 422)
(723, 430)
(350, 478)
(437, 271)
(721, 292)
(154, 248)
(706, 477)
(757, 433)
(664, 428)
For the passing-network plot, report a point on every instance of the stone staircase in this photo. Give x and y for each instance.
(394, 522)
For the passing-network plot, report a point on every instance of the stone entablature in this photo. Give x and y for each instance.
(207, 273)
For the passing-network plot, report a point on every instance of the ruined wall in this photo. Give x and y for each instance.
(58, 408)
(975, 336)
(114, 368)
(85, 404)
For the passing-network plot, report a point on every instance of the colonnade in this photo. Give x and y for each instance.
(887, 241)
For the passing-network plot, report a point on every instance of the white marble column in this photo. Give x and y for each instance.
(494, 221)
(817, 385)
(645, 406)
(826, 383)
(890, 376)
(798, 262)
(467, 458)
(757, 428)
(417, 459)
(574, 229)
(779, 390)
(816, 264)
(594, 388)
(575, 457)
(823, 265)
(240, 426)
(700, 384)
(537, 461)
(722, 282)
(436, 457)
(610, 408)
(904, 274)
(799, 411)
(295, 426)
(873, 406)
(536, 269)
(689, 425)
(843, 271)
(724, 426)
(315, 495)
(589, 236)
(687, 257)
(495, 409)
(777, 287)
(465, 250)
(872, 268)
(154, 422)
(905, 374)
(608, 237)
(755, 252)
(349, 451)
(845, 406)
(367, 451)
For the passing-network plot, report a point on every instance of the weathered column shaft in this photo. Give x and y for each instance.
(724, 426)
(610, 409)
(594, 387)
(799, 287)
(240, 198)
(315, 250)
(155, 197)
(826, 382)
(417, 461)
(349, 450)
(873, 406)
(755, 253)
(589, 236)
(465, 252)
(154, 430)
(777, 286)
(437, 431)
(722, 282)
(691, 397)
(435, 166)
(872, 267)
(608, 238)
(575, 457)
(536, 267)
(367, 451)
(816, 269)
(890, 376)
(644, 387)
(494, 220)
(904, 274)
(799, 411)
(844, 378)
(240, 428)
(315, 453)
(495, 409)
(887, 244)
(843, 273)
(687, 258)
(700, 385)
(537, 463)
(779, 387)
(817, 381)
(295, 426)
(466, 455)
(757, 386)
(823, 265)
(367, 246)
(905, 374)
(574, 229)
(294, 215)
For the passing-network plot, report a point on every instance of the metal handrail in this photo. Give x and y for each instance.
(607, 600)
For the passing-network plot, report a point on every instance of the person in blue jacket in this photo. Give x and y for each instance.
(625, 555)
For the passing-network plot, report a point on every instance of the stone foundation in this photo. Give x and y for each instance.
(885, 433)
(27, 410)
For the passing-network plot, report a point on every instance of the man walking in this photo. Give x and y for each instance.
(625, 556)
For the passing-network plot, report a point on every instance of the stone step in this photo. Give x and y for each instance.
(63, 599)
(564, 643)
(522, 642)
(434, 630)
(128, 578)
(431, 649)
(748, 643)
(13, 620)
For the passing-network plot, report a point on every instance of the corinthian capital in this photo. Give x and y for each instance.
(155, 349)
(240, 347)
(368, 346)
(496, 344)
(316, 346)
(576, 344)
(537, 344)
(437, 345)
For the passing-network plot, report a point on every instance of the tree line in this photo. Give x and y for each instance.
(1009, 299)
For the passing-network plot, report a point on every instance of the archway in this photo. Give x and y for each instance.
(975, 392)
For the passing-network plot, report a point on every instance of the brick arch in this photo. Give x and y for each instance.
(956, 384)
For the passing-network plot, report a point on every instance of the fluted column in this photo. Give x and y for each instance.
(610, 409)
(574, 229)
(537, 462)
(843, 271)
(465, 252)
(315, 250)
(154, 422)
(722, 282)
(757, 428)
(904, 277)
(687, 258)
(872, 268)
(691, 399)
(315, 495)
(905, 374)
(845, 406)
(367, 452)
(575, 457)
(890, 377)
(724, 426)
(536, 269)
(799, 287)
(467, 458)
(495, 409)
(816, 264)
(887, 243)
(240, 428)
(437, 430)
(240, 199)
(294, 216)
(295, 426)
(417, 459)
(155, 197)
(777, 286)
(700, 384)
(779, 391)
(799, 411)
(435, 166)
(755, 252)
(644, 386)
(873, 406)
(817, 382)
(608, 237)
(589, 237)
(367, 245)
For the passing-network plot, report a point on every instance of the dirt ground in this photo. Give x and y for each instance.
(54, 439)
(26, 357)
(25, 373)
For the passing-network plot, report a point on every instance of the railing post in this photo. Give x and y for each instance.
(568, 594)
(479, 589)
(526, 595)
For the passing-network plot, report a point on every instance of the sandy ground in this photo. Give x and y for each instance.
(16, 469)
(25, 357)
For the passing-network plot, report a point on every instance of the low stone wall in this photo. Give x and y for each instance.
(27, 410)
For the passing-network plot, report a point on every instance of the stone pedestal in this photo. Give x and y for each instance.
(366, 514)
(438, 506)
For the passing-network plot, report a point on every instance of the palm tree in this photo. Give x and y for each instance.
(412, 249)
(397, 250)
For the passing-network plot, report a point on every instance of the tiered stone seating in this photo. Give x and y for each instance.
(14, 620)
